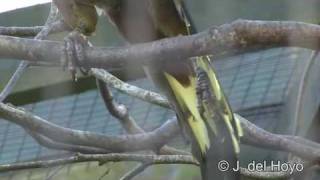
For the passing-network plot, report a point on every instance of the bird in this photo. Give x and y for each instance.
(191, 85)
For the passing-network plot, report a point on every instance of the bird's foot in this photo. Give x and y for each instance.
(75, 43)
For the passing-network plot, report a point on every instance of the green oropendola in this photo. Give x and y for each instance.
(211, 126)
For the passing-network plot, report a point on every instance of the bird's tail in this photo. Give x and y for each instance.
(221, 159)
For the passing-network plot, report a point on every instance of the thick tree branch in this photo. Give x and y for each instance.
(253, 135)
(238, 35)
(146, 141)
(49, 143)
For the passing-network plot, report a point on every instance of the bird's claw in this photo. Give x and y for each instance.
(75, 44)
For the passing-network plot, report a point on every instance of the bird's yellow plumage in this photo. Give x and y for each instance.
(204, 64)
(187, 100)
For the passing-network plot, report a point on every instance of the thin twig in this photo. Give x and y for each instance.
(120, 112)
(104, 174)
(54, 173)
(302, 86)
(31, 31)
(102, 159)
(135, 171)
(134, 91)
(20, 31)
